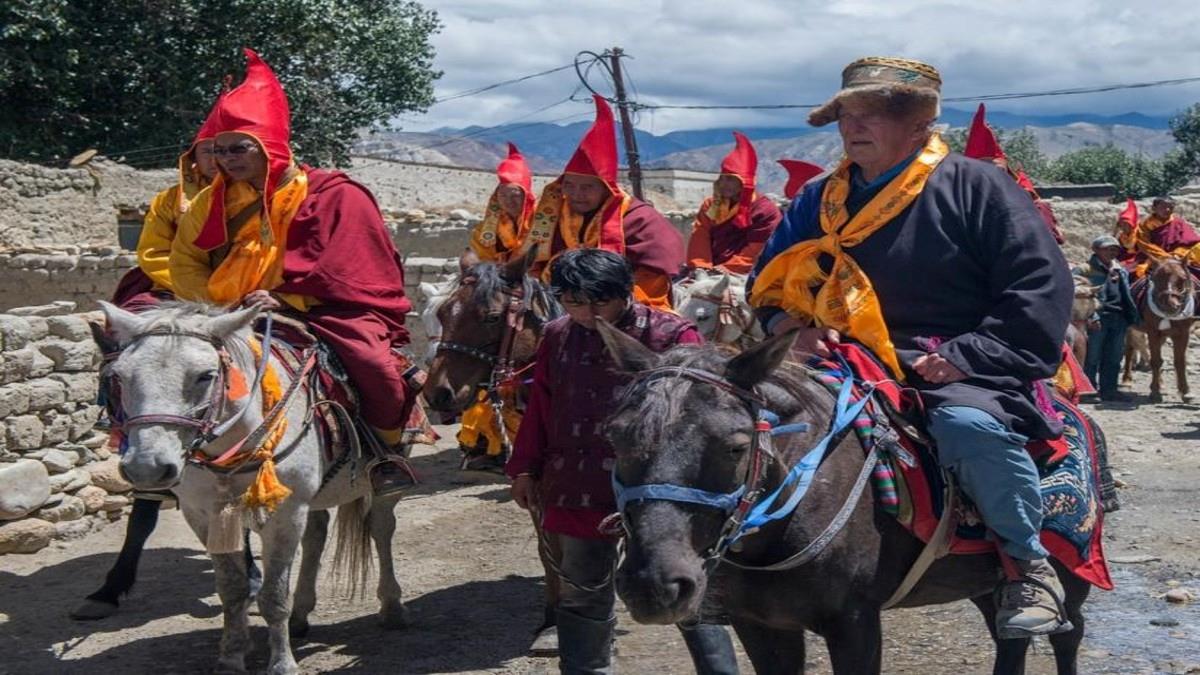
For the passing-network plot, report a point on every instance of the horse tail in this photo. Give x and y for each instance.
(352, 557)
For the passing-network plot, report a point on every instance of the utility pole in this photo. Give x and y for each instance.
(631, 151)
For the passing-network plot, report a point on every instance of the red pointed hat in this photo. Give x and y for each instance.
(1130, 214)
(514, 170)
(257, 107)
(742, 161)
(597, 151)
(208, 130)
(981, 140)
(799, 172)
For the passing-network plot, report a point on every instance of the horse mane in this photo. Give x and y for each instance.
(658, 407)
(182, 316)
(486, 280)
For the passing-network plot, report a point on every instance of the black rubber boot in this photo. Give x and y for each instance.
(711, 648)
(584, 645)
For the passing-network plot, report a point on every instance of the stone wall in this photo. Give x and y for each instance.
(42, 206)
(58, 479)
(44, 275)
(1082, 221)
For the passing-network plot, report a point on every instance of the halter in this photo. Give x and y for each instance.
(1184, 312)
(503, 366)
(746, 507)
(208, 427)
(727, 313)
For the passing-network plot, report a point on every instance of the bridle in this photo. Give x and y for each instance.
(1186, 310)
(747, 508)
(207, 424)
(504, 371)
(727, 313)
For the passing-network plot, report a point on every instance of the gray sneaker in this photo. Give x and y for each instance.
(1032, 605)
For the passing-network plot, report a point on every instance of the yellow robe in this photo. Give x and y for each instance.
(158, 232)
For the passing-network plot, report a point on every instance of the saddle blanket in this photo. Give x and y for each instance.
(910, 485)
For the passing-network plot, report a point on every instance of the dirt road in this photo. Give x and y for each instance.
(469, 567)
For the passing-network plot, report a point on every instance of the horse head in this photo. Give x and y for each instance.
(1086, 301)
(716, 303)
(688, 421)
(172, 375)
(1171, 286)
(490, 305)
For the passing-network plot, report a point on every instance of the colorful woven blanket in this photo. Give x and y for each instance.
(910, 485)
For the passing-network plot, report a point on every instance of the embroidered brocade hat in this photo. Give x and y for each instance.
(884, 76)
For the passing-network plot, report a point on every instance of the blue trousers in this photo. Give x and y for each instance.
(1105, 348)
(995, 471)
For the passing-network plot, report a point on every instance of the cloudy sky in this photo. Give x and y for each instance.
(792, 51)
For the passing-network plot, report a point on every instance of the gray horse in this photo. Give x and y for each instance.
(687, 424)
(171, 371)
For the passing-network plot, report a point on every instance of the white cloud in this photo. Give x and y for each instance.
(713, 52)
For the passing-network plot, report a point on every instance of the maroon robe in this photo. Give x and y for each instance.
(1177, 233)
(573, 392)
(651, 241)
(339, 253)
(735, 247)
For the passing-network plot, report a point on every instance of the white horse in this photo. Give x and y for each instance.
(172, 374)
(432, 297)
(716, 302)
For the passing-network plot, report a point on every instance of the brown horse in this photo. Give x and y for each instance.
(687, 425)
(1169, 311)
(492, 321)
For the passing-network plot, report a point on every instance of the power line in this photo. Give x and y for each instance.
(505, 83)
(958, 99)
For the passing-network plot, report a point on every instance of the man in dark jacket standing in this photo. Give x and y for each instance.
(1115, 313)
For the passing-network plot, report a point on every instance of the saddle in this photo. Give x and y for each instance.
(337, 408)
(911, 486)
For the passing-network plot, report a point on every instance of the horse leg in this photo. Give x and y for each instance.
(1180, 332)
(392, 612)
(305, 598)
(772, 651)
(1156, 363)
(1066, 645)
(1010, 654)
(103, 603)
(855, 641)
(1127, 371)
(233, 586)
(281, 538)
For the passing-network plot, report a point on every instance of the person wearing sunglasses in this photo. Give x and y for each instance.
(307, 242)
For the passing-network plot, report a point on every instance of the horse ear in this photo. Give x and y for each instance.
(227, 324)
(755, 364)
(721, 285)
(467, 260)
(123, 326)
(631, 356)
(516, 268)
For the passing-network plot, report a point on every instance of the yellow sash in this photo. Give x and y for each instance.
(255, 259)
(498, 227)
(553, 213)
(844, 299)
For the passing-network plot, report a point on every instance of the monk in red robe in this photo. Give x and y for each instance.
(1163, 233)
(982, 144)
(273, 233)
(586, 208)
(733, 225)
(509, 212)
(149, 283)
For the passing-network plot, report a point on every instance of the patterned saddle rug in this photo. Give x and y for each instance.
(910, 484)
(330, 384)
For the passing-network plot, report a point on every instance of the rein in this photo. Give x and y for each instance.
(747, 508)
(727, 314)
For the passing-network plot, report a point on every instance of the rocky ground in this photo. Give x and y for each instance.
(467, 560)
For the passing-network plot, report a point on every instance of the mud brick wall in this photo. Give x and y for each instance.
(43, 276)
(58, 478)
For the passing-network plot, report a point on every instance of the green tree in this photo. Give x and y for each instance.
(1133, 175)
(1186, 128)
(135, 78)
(1020, 146)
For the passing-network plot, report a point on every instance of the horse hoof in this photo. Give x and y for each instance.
(93, 610)
(393, 617)
(1188, 398)
(285, 668)
(1156, 398)
(229, 667)
(298, 628)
